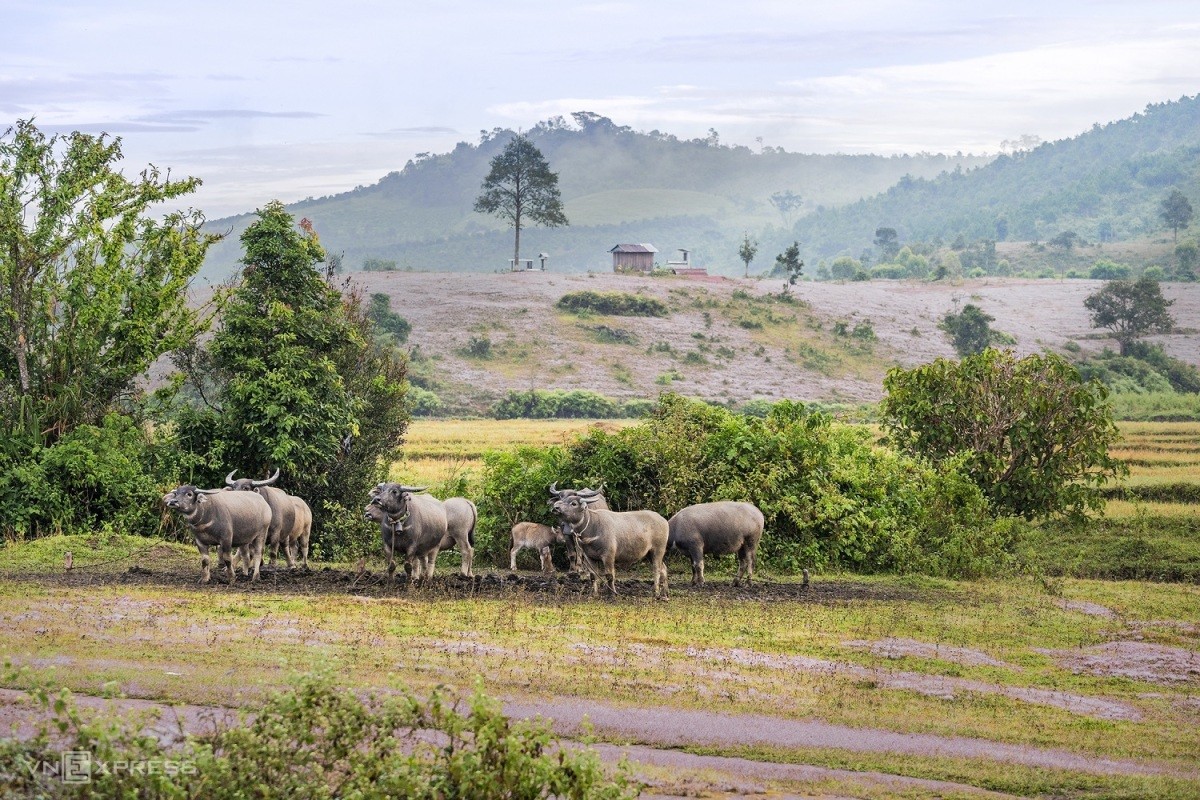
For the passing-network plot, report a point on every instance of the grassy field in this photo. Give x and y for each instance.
(1029, 673)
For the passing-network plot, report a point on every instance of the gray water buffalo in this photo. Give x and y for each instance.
(291, 518)
(611, 539)
(718, 529)
(461, 516)
(419, 526)
(535, 536)
(226, 520)
(595, 497)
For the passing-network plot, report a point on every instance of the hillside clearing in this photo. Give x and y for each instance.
(726, 340)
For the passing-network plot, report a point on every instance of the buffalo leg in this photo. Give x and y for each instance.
(547, 560)
(302, 546)
(256, 552)
(205, 572)
(225, 556)
(468, 559)
(512, 557)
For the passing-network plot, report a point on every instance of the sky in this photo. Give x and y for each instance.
(265, 100)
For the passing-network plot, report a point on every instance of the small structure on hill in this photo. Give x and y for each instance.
(636, 257)
(685, 266)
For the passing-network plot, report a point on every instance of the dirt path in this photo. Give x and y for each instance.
(672, 727)
(654, 730)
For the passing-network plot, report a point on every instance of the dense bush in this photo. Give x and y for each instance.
(316, 740)
(831, 497)
(1145, 368)
(95, 476)
(1031, 432)
(575, 404)
(614, 303)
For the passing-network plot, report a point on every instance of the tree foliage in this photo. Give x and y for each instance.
(971, 330)
(1131, 310)
(92, 289)
(789, 265)
(92, 292)
(1176, 212)
(888, 242)
(747, 251)
(521, 186)
(1029, 431)
(302, 383)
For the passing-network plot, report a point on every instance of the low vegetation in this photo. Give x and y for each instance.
(621, 304)
(316, 739)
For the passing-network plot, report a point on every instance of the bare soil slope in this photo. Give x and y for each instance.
(727, 339)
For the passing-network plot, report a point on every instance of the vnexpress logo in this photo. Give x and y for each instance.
(76, 766)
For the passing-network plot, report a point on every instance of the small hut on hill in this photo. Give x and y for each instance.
(638, 257)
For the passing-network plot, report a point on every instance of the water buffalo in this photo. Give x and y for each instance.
(291, 518)
(718, 529)
(419, 526)
(223, 519)
(535, 536)
(461, 516)
(611, 539)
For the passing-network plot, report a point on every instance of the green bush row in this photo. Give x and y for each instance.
(558, 404)
(615, 303)
(832, 497)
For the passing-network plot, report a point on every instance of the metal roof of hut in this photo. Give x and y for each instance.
(634, 248)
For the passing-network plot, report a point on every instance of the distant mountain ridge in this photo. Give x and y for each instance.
(1106, 184)
(620, 185)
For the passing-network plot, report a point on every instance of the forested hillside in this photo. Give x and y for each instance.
(1104, 185)
(618, 185)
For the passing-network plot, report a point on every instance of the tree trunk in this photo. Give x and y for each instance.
(517, 244)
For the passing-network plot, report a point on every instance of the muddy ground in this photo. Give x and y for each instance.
(556, 588)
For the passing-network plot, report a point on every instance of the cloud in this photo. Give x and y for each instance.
(208, 115)
(421, 130)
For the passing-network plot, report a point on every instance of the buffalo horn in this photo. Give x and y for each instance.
(229, 478)
(269, 480)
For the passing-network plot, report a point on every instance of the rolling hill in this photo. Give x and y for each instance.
(620, 185)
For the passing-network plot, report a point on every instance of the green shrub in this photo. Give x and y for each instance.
(317, 739)
(478, 346)
(575, 404)
(613, 303)
(422, 402)
(831, 497)
(111, 475)
(1034, 434)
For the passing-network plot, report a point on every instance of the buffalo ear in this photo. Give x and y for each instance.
(201, 498)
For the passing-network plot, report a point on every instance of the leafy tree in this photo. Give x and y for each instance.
(386, 320)
(521, 186)
(1176, 212)
(92, 289)
(747, 251)
(789, 265)
(844, 268)
(1130, 309)
(1187, 256)
(301, 383)
(787, 203)
(1065, 241)
(1031, 433)
(888, 242)
(970, 330)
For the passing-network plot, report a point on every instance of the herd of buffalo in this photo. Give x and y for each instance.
(250, 516)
